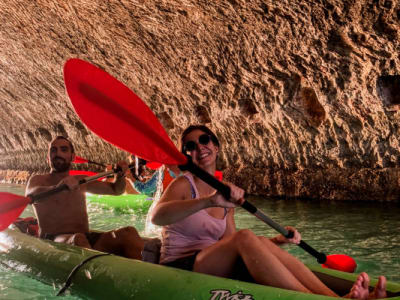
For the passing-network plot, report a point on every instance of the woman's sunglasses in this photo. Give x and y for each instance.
(189, 146)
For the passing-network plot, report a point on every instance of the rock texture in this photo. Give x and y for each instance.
(303, 94)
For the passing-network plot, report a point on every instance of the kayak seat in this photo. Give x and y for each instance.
(151, 250)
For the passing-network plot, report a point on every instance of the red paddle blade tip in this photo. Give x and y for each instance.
(218, 175)
(82, 172)
(340, 262)
(79, 160)
(11, 206)
(153, 165)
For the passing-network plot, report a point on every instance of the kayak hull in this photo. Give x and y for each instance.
(114, 277)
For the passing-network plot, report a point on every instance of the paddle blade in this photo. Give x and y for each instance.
(116, 114)
(11, 207)
(218, 175)
(340, 262)
(153, 165)
(81, 172)
(79, 160)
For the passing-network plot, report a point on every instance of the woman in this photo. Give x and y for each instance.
(199, 231)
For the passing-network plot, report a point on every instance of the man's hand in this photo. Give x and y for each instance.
(71, 182)
(123, 166)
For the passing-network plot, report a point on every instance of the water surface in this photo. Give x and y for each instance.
(366, 231)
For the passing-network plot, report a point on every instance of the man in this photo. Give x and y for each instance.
(63, 217)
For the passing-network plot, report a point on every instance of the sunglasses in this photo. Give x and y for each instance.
(189, 146)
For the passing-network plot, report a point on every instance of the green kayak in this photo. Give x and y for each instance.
(139, 203)
(114, 277)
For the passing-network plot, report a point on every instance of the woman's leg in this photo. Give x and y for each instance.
(124, 241)
(297, 268)
(77, 239)
(220, 258)
(270, 265)
(316, 286)
(360, 289)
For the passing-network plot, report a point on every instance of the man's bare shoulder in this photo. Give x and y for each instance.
(38, 179)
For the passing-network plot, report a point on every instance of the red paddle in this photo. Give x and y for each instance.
(116, 114)
(153, 165)
(80, 160)
(82, 172)
(11, 205)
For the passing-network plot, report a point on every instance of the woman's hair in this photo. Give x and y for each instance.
(203, 128)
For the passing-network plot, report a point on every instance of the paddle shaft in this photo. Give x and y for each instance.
(226, 191)
(81, 160)
(43, 195)
(96, 163)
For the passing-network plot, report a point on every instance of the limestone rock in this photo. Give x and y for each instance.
(303, 94)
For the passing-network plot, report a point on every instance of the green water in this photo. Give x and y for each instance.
(368, 232)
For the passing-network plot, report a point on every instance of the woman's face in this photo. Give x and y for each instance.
(203, 153)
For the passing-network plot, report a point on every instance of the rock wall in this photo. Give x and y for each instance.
(304, 95)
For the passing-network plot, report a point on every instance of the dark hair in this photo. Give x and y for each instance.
(203, 128)
(60, 137)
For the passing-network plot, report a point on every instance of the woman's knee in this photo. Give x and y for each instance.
(78, 239)
(245, 237)
(127, 232)
(266, 241)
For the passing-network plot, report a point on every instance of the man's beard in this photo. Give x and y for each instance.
(60, 165)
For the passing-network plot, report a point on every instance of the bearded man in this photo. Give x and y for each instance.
(63, 217)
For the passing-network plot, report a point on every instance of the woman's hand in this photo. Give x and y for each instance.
(236, 198)
(280, 239)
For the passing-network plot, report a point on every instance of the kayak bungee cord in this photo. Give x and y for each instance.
(68, 281)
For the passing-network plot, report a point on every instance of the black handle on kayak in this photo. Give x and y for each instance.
(226, 191)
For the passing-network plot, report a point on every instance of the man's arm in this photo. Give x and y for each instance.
(110, 188)
(230, 223)
(35, 186)
(107, 188)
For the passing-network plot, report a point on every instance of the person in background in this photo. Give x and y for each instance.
(199, 232)
(148, 180)
(63, 217)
